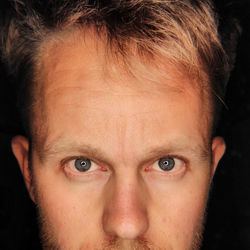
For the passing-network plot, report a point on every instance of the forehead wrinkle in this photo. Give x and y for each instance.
(120, 89)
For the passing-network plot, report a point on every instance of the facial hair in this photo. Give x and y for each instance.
(49, 241)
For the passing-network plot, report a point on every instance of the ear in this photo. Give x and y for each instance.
(20, 148)
(218, 150)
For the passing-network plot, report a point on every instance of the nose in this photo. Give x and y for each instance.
(125, 212)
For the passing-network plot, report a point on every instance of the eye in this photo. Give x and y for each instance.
(169, 165)
(82, 164)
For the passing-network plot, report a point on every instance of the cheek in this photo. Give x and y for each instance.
(67, 208)
(178, 211)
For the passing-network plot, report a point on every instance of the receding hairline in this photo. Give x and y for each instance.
(158, 67)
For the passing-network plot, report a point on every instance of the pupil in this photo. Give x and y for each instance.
(166, 164)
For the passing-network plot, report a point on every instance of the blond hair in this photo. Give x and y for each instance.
(184, 32)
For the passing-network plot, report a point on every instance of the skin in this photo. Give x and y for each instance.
(124, 125)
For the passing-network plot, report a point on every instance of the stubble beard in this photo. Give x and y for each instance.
(49, 241)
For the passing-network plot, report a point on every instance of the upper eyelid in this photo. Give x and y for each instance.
(94, 160)
(66, 160)
(181, 158)
(175, 158)
(72, 158)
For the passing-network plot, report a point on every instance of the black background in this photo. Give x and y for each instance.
(228, 221)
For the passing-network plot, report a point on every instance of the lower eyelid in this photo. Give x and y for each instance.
(84, 176)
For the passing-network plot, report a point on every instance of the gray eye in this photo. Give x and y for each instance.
(82, 164)
(166, 164)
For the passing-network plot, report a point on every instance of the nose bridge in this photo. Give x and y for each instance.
(125, 212)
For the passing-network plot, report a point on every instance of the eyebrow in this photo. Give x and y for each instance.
(199, 151)
(61, 146)
(176, 146)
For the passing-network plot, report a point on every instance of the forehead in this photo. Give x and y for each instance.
(85, 54)
(81, 85)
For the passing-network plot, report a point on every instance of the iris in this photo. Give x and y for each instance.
(166, 164)
(82, 164)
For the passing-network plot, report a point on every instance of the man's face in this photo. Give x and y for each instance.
(125, 163)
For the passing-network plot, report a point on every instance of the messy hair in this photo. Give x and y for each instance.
(182, 31)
